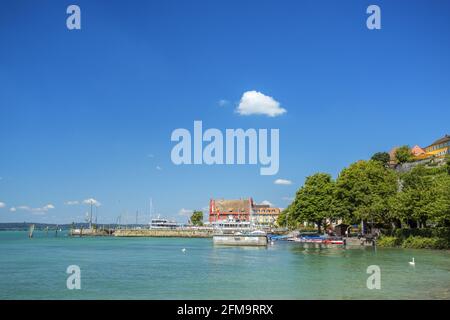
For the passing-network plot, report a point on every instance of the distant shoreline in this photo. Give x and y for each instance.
(24, 226)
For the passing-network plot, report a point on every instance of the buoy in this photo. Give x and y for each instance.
(412, 263)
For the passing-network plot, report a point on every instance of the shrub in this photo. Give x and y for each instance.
(438, 232)
(442, 232)
(417, 242)
(387, 241)
(406, 233)
(307, 229)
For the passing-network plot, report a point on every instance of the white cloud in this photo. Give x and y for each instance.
(288, 198)
(283, 182)
(72, 203)
(40, 210)
(49, 206)
(158, 168)
(266, 202)
(150, 155)
(185, 212)
(92, 201)
(2, 205)
(223, 103)
(254, 102)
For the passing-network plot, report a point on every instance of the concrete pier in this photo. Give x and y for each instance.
(180, 233)
(239, 240)
(90, 232)
(362, 242)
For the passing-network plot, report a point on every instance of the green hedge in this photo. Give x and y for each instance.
(440, 232)
(425, 243)
(387, 241)
(414, 242)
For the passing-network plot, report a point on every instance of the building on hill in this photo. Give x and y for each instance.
(440, 147)
(417, 151)
(392, 158)
(434, 154)
(437, 150)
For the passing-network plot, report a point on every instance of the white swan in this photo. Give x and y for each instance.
(412, 263)
(183, 250)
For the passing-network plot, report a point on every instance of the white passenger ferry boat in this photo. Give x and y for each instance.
(159, 223)
(237, 233)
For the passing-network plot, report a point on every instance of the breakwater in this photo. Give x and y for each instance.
(178, 233)
(90, 232)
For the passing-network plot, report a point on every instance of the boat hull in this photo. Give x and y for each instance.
(240, 240)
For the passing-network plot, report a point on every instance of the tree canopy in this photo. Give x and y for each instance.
(197, 218)
(447, 164)
(363, 189)
(369, 191)
(403, 154)
(314, 201)
(382, 157)
(423, 198)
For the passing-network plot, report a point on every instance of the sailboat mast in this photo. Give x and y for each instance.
(151, 209)
(137, 215)
(90, 218)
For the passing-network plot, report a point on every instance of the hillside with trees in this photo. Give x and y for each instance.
(410, 208)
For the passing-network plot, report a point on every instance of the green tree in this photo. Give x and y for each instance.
(403, 154)
(281, 220)
(363, 190)
(382, 157)
(197, 218)
(314, 201)
(286, 218)
(439, 209)
(424, 197)
(447, 164)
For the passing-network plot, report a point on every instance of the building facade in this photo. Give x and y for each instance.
(238, 210)
(265, 215)
(242, 210)
(438, 149)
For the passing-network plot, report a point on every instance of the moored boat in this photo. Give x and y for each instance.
(254, 238)
(321, 240)
(238, 233)
(159, 223)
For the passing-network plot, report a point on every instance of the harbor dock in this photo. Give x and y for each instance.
(90, 232)
(180, 233)
(240, 239)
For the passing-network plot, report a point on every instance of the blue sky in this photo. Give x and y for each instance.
(89, 113)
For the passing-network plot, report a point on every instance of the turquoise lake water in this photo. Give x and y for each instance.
(156, 268)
